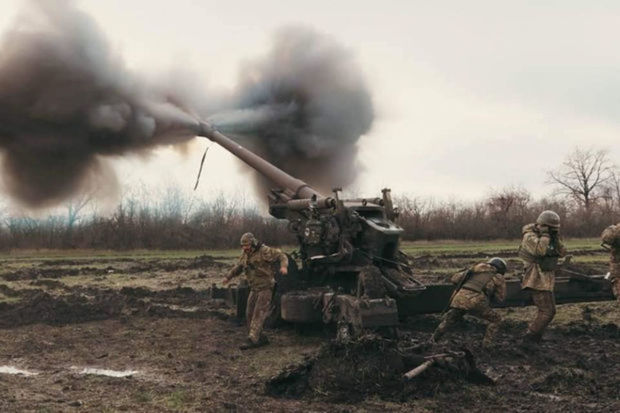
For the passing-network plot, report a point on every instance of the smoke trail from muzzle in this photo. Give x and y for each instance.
(66, 99)
(250, 120)
(67, 102)
(304, 107)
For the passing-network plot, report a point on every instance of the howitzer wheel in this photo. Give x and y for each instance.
(370, 283)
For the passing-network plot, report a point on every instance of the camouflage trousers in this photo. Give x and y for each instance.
(257, 311)
(614, 270)
(545, 302)
(615, 287)
(483, 311)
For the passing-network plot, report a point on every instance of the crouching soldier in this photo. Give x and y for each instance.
(611, 239)
(540, 249)
(475, 287)
(257, 262)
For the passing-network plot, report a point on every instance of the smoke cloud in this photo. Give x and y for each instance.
(304, 107)
(67, 103)
(66, 100)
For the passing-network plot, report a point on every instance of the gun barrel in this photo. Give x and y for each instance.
(292, 187)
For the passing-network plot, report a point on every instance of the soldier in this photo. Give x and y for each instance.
(611, 239)
(475, 288)
(256, 262)
(540, 249)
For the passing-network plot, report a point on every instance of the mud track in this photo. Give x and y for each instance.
(151, 323)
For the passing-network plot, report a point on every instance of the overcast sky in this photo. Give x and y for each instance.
(469, 95)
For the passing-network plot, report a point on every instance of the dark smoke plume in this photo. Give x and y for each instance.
(67, 102)
(66, 99)
(304, 107)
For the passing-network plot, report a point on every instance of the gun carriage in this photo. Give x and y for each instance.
(351, 270)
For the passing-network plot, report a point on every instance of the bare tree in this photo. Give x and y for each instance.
(583, 176)
(507, 208)
(611, 195)
(614, 186)
(503, 201)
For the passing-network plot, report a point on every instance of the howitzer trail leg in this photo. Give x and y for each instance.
(545, 302)
(453, 316)
(262, 308)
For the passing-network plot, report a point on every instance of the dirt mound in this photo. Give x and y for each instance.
(58, 262)
(201, 262)
(79, 304)
(565, 380)
(44, 307)
(594, 330)
(8, 291)
(374, 366)
(587, 268)
(181, 295)
(34, 273)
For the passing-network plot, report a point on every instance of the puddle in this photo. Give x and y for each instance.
(14, 370)
(107, 373)
(551, 397)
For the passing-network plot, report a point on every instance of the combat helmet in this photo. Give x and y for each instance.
(499, 264)
(549, 218)
(248, 239)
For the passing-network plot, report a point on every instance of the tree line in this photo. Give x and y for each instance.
(587, 198)
(219, 223)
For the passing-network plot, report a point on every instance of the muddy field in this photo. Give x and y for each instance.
(96, 331)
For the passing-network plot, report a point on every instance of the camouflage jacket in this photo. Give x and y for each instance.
(611, 238)
(258, 267)
(466, 299)
(539, 253)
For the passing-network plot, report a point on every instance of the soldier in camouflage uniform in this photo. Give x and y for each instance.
(540, 249)
(477, 286)
(257, 262)
(611, 238)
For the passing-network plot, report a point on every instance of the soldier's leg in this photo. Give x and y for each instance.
(614, 270)
(261, 312)
(494, 320)
(249, 309)
(453, 316)
(615, 287)
(545, 302)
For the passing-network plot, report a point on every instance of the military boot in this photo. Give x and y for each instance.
(262, 341)
(248, 344)
(531, 341)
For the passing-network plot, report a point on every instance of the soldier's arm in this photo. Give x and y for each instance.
(537, 244)
(561, 249)
(458, 277)
(499, 288)
(234, 272)
(275, 254)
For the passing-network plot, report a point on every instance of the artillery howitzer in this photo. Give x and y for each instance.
(352, 271)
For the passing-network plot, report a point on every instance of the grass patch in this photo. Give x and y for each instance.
(177, 399)
(143, 396)
(9, 300)
(602, 312)
(441, 247)
(437, 247)
(90, 254)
